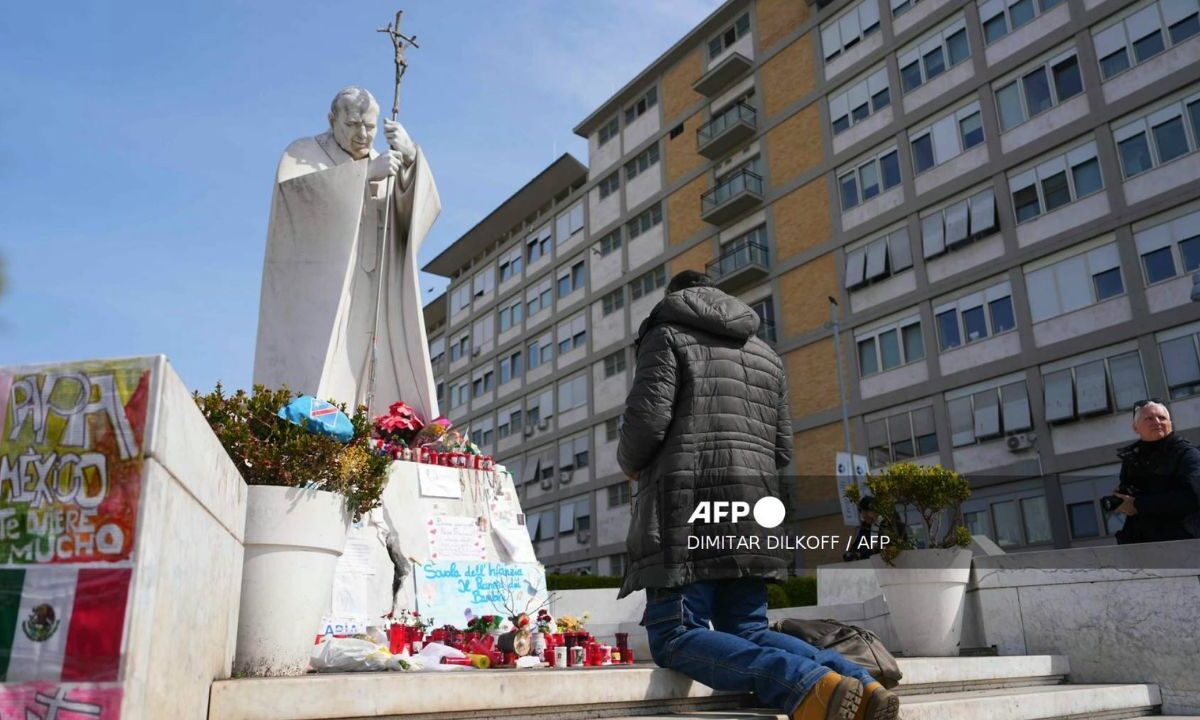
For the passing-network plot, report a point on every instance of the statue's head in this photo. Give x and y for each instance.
(353, 115)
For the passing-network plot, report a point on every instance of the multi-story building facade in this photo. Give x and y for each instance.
(1002, 197)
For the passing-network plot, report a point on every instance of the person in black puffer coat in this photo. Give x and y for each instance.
(1162, 471)
(706, 421)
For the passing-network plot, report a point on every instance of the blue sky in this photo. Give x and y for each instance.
(140, 142)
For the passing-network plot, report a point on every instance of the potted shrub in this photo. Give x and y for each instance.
(924, 588)
(304, 489)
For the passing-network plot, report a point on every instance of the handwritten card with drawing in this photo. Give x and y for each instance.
(454, 592)
(455, 538)
(439, 481)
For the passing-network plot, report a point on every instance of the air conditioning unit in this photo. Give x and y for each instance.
(543, 424)
(547, 483)
(1021, 441)
(564, 476)
(475, 352)
(529, 431)
(583, 536)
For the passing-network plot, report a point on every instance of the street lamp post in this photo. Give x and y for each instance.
(837, 348)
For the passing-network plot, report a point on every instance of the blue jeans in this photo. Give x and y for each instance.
(739, 654)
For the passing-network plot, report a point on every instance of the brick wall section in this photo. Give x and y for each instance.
(826, 525)
(815, 454)
(677, 92)
(812, 378)
(794, 145)
(788, 76)
(802, 219)
(804, 291)
(777, 18)
(693, 259)
(683, 211)
(682, 157)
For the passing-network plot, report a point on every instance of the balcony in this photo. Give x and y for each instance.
(737, 193)
(743, 263)
(726, 131)
(721, 75)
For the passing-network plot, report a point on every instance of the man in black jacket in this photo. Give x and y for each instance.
(1160, 480)
(707, 426)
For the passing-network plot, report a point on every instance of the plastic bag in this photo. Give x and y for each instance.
(318, 416)
(355, 655)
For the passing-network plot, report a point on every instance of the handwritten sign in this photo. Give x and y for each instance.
(439, 481)
(454, 592)
(455, 538)
(51, 701)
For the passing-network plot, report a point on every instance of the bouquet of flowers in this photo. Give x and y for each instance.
(571, 623)
(432, 433)
(545, 623)
(413, 620)
(396, 431)
(484, 624)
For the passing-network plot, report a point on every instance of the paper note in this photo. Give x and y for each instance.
(439, 481)
(455, 538)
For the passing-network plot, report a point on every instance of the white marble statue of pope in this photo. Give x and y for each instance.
(340, 288)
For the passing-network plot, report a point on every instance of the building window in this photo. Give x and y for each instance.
(1074, 281)
(484, 282)
(510, 264)
(870, 178)
(572, 333)
(570, 279)
(510, 367)
(510, 316)
(890, 347)
(856, 103)
(641, 105)
(460, 392)
(1094, 387)
(483, 383)
(437, 350)
(1038, 89)
(880, 258)
(608, 131)
(1159, 137)
(1181, 364)
(765, 309)
(1000, 17)
(612, 429)
(1167, 247)
(644, 221)
(933, 55)
(540, 351)
(460, 298)
(569, 222)
(573, 453)
(610, 185)
(1056, 182)
(975, 317)
(538, 298)
(846, 31)
(537, 245)
(727, 37)
(612, 302)
(648, 282)
(959, 223)
(645, 160)
(460, 348)
(901, 437)
(947, 138)
(619, 494)
(614, 364)
(572, 393)
(1144, 33)
(483, 332)
(989, 414)
(510, 422)
(899, 7)
(610, 243)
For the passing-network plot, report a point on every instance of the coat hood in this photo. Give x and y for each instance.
(707, 309)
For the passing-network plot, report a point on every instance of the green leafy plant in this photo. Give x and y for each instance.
(934, 492)
(269, 450)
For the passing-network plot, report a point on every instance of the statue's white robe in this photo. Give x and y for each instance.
(325, 255)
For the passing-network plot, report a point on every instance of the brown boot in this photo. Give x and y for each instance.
(833, 698)
(878, 704)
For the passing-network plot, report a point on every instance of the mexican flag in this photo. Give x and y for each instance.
(62, 623)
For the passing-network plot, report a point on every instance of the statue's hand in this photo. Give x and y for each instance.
(399, 140)
(385, 165)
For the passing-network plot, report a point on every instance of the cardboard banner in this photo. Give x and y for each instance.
(451, 593)
(71, 464)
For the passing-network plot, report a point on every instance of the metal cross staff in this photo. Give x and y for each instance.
(398, 42)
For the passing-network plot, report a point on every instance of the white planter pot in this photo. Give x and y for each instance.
(293, 540)
(925, 591)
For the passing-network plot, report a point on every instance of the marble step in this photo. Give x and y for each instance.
(1062, 702)
(594, 692)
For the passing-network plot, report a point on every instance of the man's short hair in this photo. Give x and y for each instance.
(353, 97)
(866, 504)
(688, 279)
(1137, 407)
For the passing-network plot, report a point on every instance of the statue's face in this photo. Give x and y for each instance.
(354, 129)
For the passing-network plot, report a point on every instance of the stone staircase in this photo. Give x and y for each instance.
(991, 688)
